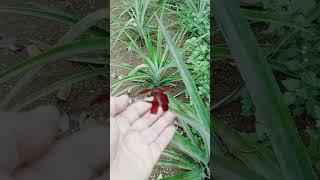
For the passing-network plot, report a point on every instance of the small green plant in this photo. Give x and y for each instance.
(134, 17)
(156, 71)
(194, 16)
(199, 59)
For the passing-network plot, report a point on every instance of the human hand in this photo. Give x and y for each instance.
(28, 150)
(137, 138)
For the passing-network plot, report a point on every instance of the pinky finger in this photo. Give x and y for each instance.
(162, 142)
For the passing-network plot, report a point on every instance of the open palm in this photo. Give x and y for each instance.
(137, 138)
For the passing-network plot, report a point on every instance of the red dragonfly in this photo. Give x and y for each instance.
(159, 98)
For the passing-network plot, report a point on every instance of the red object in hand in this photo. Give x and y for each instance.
(159, 97)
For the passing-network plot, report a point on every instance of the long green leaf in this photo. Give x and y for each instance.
(204, 131)
(252, 156)
(185, 126)
(59, 84)
(187, 78)
(187, 147)
(202, 111)
(174, 156)
(67, 50)
(195, 174)
(226, 168)
(49, 14)
(129, 77)
(83, 25)
(176, 164)
(75, 31)
(265, 93)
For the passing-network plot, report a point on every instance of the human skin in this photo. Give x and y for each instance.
(29, 150)
(137, 138)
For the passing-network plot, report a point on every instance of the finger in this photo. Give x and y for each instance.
(79, 157)
(147, 120)
(162, 142)
(131, 114)
(26, 136)
(118, 104)
(156, 129)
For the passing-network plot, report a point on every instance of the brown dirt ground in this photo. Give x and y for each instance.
(26, 28)
(227, 78)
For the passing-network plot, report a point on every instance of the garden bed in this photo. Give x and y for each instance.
(29, 35)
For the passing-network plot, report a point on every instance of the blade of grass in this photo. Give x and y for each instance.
(227, 168)
(187, 147)
(83, 25)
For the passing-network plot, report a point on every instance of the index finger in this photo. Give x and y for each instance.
(118, 104)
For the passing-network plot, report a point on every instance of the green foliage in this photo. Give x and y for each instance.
(199, 60)
(301, 96)
(135, 16)
(297, 54)
(271, 109)
(196, 117)
(194, 22)
(193, 18)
